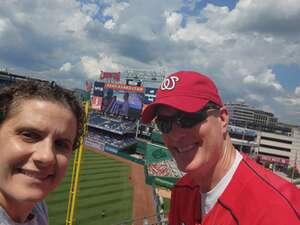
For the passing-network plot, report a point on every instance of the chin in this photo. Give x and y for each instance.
(185, 168)
(190, 168)
(35, 195)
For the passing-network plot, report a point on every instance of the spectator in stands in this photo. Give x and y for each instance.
(40, 125)
(125, 105)
(221, 185)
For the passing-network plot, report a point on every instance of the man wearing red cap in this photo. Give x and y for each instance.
(221, 185)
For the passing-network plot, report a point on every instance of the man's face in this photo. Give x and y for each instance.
(36, 143)
(199, 148)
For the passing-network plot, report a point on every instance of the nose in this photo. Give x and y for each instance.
(44, 155)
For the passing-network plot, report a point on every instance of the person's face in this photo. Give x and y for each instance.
(199, 148)
(36, 143)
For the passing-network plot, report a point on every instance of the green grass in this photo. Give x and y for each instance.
(103, 186)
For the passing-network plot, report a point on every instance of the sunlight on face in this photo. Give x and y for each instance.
(36, 144)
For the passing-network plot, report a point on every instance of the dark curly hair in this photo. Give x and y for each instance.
(13, 94)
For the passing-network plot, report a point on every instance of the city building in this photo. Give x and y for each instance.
(243, 115)
(277, 145)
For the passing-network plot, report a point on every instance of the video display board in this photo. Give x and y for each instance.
(96, 100)
(150, 95)
(123, 100)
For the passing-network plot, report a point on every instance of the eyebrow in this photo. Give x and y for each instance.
(39, 131)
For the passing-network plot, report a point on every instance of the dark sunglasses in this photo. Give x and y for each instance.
(182, 119)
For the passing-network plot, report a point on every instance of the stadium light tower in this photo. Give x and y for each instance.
(145, 75)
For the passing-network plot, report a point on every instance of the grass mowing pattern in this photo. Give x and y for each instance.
(103, 186)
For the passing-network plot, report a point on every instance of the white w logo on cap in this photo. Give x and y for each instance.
(169, 83)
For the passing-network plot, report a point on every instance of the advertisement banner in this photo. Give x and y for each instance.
(111, 149)
(114, 75)
(273, 159)
(124, 87)
(96, 102)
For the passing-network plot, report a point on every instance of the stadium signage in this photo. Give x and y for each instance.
(133, 82)
(114, 75)
(111, 149)
(274, 159)
(124, 87)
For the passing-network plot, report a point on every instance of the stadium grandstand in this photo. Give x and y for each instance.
(7, 78)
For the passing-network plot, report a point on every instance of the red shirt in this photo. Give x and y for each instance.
(254, 196)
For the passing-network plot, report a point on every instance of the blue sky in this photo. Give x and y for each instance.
(250, 47)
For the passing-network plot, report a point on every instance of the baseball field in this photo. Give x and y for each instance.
(105, 194)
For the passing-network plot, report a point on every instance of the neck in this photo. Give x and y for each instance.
(17, 211)
(209, 179)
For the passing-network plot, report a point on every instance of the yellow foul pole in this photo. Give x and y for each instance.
(75, 174)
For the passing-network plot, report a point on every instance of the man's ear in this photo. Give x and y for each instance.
(224, 118)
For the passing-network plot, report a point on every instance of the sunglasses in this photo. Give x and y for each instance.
(182, 119)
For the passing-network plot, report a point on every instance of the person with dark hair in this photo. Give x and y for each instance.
(221, 185)
(40, 126)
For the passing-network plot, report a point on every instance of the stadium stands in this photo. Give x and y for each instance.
(118, 126)
(99, 139)
(242, 133)
(107, 131)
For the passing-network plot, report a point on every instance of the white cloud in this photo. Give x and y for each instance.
(265, 79)
(114, 11)
(256, 97)
(75, 23)
(266, 16)
(268, 78)
(267, 108)
(66, 67)
(288, 101)
(90, 9)
(249, 79)
(92, 66)
(198, 33)
(173, 21)
(297, 91)
(109, 24)
(3, 24)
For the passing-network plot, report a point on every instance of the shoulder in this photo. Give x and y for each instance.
(185, 191)
(255, 192)
(186, 180)
(185, 202)
(40, 212)
(185, 184)
(268, 181)
(4, 218)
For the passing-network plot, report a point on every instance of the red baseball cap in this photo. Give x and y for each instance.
(186, 91)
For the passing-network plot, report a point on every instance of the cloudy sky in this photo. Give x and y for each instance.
(251, 48)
